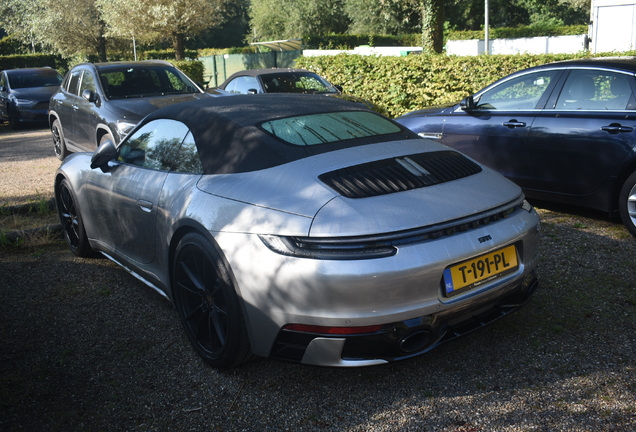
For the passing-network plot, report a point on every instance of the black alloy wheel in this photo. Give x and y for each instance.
(71, 220)
(59, 146)
(207, 303)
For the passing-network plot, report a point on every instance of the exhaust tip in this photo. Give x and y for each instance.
(415, 341)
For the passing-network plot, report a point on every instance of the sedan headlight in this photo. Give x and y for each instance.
(329, 248)
(24, 102)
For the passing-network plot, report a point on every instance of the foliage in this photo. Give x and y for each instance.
(63, 27)
(299, 18)
(387, 17)
(402, 84)
(193, 69)
(155, 19)
(168, 54)
(433, 26)
(33, 60)
(10, 45)
(469, 14)
(518, 32)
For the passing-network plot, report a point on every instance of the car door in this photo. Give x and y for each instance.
(85, 118)
(124, 200)
(494, 130)
(577, 143)
(64, 104)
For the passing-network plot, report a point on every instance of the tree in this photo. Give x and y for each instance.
(390, 17)
(293, 19)
(433, 25)
(67, 28)
(157, 19)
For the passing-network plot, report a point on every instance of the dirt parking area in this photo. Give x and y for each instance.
(27, 165)
(87, 347)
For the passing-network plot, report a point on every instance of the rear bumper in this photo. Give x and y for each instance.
(404, 339)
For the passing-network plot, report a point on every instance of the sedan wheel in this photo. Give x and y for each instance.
(627, 203)
(71, 220)
(59, 146)
(207, 303)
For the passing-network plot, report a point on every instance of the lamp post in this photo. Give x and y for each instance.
(487, 48)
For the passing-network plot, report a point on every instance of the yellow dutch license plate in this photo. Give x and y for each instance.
(477, 271)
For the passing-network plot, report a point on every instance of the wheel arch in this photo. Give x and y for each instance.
(102, 130)
(627, 170)
(52, 117)
(192, 226)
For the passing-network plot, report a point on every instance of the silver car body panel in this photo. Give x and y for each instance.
(289, 200)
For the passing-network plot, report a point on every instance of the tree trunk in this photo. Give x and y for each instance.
(101, 49)
(179, 48)
(432, 26)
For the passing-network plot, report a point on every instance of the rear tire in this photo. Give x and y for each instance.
(59, 145)
(627, 203)
(207, 303)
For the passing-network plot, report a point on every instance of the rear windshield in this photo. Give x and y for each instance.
(331, 127)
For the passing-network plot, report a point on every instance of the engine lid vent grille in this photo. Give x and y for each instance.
(400, 174)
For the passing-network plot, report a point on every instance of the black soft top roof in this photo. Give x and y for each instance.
(228, 137)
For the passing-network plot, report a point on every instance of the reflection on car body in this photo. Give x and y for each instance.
(563, 131)
(303, 228)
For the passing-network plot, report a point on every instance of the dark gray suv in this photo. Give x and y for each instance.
(99, 101)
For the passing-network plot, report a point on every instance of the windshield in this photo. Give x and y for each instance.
(144, 81)
(329, 127)
(296, 82)
(29, 78)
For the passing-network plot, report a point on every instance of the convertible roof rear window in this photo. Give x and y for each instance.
(313, 129)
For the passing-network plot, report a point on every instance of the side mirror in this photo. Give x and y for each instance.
(339, 88)
(252, 91)
(89, 95)
(467, 104)
(105, 153)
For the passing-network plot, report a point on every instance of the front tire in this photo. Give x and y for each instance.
(71, 220)
(14, 119)
(59, 145)
(207, 303)
(627, 203)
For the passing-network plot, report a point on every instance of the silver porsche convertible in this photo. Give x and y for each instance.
(303, 228)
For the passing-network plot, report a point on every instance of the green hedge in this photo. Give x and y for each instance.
(193, 69)
(518, 32)
(398, 85)
(165, 54)
(16, 61)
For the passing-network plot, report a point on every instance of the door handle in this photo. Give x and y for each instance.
(75, 107)
(615, 128)
(514, 124)
(145, 205)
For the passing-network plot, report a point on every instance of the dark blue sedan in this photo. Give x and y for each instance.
(25, 94)
(564, 132)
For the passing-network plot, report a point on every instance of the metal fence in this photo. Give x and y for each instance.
(218, 67)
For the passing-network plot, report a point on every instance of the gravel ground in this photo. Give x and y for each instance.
(86, 347)
(28, 152)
